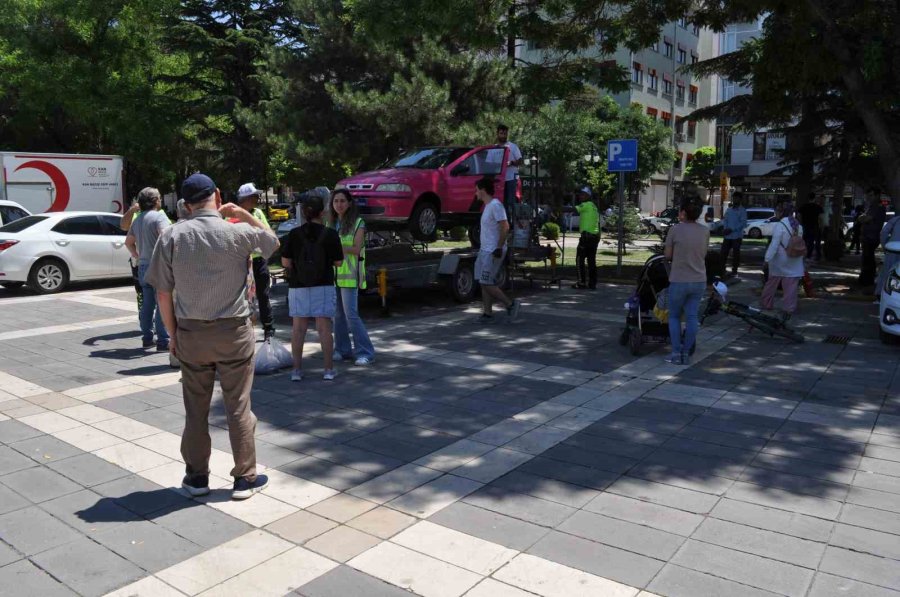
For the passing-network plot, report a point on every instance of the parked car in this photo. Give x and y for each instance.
(760, 222)
(428, 188)
(279, 212)
(10, 211)
(889, 304)
(49, 250)
(669, 216)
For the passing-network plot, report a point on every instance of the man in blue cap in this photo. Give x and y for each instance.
(203, 262)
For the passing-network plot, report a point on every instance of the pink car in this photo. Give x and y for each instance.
(429, 187)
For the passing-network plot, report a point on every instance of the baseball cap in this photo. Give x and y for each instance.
(197, 187)
(247, 190)
(586, 191)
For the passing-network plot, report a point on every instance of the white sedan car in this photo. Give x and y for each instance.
(889, 305)
(49, 250)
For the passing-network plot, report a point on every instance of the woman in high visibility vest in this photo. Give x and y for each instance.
(350, 278)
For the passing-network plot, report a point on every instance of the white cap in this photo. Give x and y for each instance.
(586, 191)
(247, 190)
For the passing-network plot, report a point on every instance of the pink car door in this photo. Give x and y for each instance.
(469, 169)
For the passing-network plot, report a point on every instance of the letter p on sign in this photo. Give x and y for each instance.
(622, 155)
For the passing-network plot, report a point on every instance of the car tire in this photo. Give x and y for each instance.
(889, 339)
(12, 285)
(755, 233)
(423, 222)
(48, 275)
(462, 283)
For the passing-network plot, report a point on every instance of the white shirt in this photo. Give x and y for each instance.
(493, 214)
(515, 154)
(780, 264)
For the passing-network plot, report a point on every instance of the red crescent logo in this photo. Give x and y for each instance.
(56, 177)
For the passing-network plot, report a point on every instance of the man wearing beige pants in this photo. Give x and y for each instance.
(204, 261)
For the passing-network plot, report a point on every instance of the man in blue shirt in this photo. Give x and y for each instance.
(735, 222)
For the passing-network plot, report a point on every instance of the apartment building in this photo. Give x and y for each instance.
(665, 93)
(750, 159)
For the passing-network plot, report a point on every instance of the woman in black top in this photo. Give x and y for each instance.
(310, 254)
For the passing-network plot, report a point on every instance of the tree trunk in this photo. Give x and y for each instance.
(806, 143)
(834, 243)
(863, 102)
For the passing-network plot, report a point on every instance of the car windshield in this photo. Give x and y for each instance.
(20, 225)
(428, 158)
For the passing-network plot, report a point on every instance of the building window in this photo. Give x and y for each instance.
(692, 129)
(652, 112)
(692, 95)
(667, 119)
(679, 94)
(775, 146)
(668, 49)
(682, 22)
(696, 30)
(759, 146)
(655, 46)
(652, 80)
(667, 87)
(637, 73)
(678, 158)
(682, 56)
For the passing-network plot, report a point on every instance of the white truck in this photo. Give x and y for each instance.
(46, 182)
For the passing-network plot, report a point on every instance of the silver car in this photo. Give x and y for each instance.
(49, 250)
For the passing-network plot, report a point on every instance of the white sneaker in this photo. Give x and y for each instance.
(329, 374)
(296, 375)
(363, 361)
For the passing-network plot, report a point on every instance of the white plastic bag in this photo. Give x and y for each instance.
(272, 356)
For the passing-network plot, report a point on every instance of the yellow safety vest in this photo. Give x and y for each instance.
(349, 274)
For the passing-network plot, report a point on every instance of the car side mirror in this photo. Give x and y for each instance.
(460, 169)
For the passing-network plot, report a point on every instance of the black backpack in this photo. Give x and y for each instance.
(311, 267)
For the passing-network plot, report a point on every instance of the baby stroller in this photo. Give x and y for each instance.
(647, 317)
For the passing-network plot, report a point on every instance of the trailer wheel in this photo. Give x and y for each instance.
(462, 283)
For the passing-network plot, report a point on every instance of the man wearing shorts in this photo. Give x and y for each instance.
(492, 255)
(310, 254)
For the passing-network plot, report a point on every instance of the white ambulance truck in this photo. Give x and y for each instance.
(42, 182)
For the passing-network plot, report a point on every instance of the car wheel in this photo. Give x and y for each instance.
(462, 284)
(755, 233)
(12, 285)
(887, 338)
(423, 222)
(48, 276)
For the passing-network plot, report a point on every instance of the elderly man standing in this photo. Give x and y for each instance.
(248, 198)
(142, 236)
(204, 262)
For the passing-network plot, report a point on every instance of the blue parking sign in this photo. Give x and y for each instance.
(622, 155)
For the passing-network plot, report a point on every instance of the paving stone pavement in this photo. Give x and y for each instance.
(531, 459)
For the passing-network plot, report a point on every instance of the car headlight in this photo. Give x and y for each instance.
(893, 283)
(393, 187)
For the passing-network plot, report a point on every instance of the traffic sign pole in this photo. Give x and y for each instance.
(621, 157)
(621, 232)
